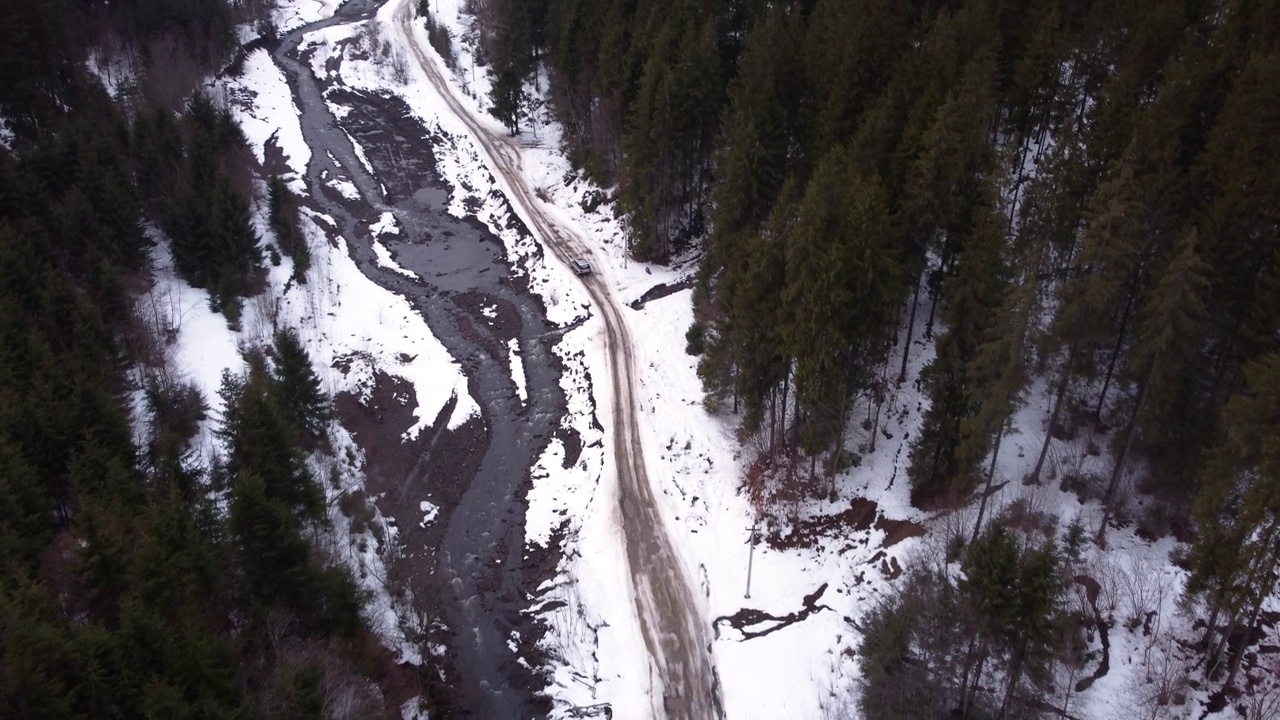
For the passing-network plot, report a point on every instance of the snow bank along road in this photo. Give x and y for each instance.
(674, 634)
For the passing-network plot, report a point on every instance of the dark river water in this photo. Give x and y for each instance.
(482, 548)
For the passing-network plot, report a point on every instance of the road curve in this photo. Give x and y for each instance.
(674, 633)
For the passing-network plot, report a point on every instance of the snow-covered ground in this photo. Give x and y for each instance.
(697, 462)
(295, 13)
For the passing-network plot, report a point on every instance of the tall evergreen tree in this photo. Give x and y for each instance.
(946, 453)
(297, 387)
(260, 440)
(283, 212)
(842, 292)
(511, 62)
(1236, 555)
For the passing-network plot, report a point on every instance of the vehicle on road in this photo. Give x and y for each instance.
(580, 266)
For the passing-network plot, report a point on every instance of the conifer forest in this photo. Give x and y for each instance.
(136, 582)
(1077, 198)
(1072, 200)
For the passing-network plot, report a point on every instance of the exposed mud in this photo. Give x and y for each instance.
(751, 623)
(659, 291)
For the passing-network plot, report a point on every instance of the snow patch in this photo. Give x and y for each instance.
(386, 225)
(113, 70)
(517, 369)
(263, 105)
(345, 188)
(384, 258)
(429, 513)
(291, 15)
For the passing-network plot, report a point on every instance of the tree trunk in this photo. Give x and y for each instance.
(773, 418)
(1220, 647)
(1059, 394)
(973, 689)
(1212, 623)
(840, 428)
(1115, 352)
(786, 389)
(875, 426)
(1263, 568)
(969, 657)
(933, 310)
(986, 490)
(1250, 627)
(1108, 498)
(911, 326)
(1015, 675)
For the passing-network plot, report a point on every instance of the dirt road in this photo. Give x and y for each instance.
(675, 635)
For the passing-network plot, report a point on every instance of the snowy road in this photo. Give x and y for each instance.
(675, 634)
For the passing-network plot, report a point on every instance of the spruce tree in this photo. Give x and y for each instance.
(297, 387)
(946, 453)
(283, 213)
(511, 63)
(843, 288)
(1236, 554)
(260, 439)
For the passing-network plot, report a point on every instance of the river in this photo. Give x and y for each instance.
(463, 268)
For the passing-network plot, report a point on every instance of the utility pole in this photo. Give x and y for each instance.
(751, 552)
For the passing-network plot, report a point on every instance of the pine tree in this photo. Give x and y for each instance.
(1012, 597)
(1236, 554)
(268, 535)
(512, 62)
(851, 47)
(1237, 232)
(668, 144)
(260, 439)
(843, 289)
(752, 160)
(1171, 323)
(284, 223)
(937, 195)
(946, 453)
(297, 387)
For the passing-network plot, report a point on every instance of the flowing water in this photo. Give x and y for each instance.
(459, 262)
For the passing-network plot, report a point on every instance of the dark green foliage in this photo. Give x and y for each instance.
(896, 684)
(512, 61)
(983, 645)
(668, 143)
(125, 591)
(260, 439)
(185, 172)
(438, 35)
(36, 68)
(1236, 554)
(695, 339)
(214, 244)
(297, 387)
(283, 213)
(843, 285)
(946, 453)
